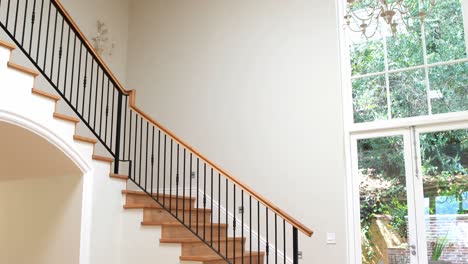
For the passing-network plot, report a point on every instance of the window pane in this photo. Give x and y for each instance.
(383, 201)
(449, 85)
(367, 57)
(408, 94)
(405, 48)
(445, 36)
(369, 99)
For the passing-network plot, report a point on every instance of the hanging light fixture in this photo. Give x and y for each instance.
(365, 16)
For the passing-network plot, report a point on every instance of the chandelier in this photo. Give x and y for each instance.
(365, 16)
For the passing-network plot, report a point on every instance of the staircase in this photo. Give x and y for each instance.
(213, 216)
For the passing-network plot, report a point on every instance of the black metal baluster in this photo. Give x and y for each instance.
(79, 75)
(152, 161)
(84, 83)
(219, 213)
(95, 104)
(146, 158)
(103, 112)
(140, 157)
(129, 141)
(117, 134)
(285, 256)
(227, 219)
(177, 184)
(60, 56)
(295, 246)
(24, 22)
(250, 226)
(211, 208)
(164, 172)
(242, 225)
(276, 238)
(90, 92)
(66, 63)
(53, 47)
(39, 32)
(112, 117)
(267, 246)
(33, 20)
(170, 178)
(204, 201)
(107, 119)
(234, 223)
(7, 14)
(258, 228)
(190, 192)
(72, 72)
(183, 189)
(197, 190)
(135, 147)
(125, 122)
(47, 37)
(159, 160)
(16, 18)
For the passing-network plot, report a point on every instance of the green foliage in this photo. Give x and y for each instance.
(439, 246)
(445, 41)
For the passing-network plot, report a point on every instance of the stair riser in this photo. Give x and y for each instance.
(201, 249)
(182, 232)
(146, 201)
(161, 216)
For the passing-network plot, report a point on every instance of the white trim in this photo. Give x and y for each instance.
(74, 155)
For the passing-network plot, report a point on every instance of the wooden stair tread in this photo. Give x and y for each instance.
(209, 258)
(180, 225)
(118, 176)
(155, 195)
(85, 139)
(7, 45)
(66, 118)
(23, 69)
(196, 240)
(46, 94)
(102, 158)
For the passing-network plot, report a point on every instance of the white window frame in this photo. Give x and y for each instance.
(352, 130)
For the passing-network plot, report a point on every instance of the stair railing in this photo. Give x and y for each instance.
(156, 160)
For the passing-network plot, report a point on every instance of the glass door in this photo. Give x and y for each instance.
(384, 198)
(442, 194)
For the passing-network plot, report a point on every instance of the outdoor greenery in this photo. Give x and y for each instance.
(444, 154)
(445, 41)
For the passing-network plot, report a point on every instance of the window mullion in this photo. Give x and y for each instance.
(426, 67)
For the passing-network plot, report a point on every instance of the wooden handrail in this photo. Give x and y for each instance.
(132, 93)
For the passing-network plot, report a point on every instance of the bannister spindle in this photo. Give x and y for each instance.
(285, 256)
(118, 131)
(33, 18)
(146, 157)
(124, 125)
(211, 207)
(112, 117)
(7, 14)
(47, 37)
(40, 28)
(159, 161)
(66, 64)
(183, 188)
(164, 172)
(227, 219)
(107, 119)
(295, 246)
(152, 161)
(219, 213)
(135, 147)
(242, 224)
(234, 222)
(129, 142)
(177, 184)
(250, 226)
(95, 105)
(91, 91)
(267, 247)
(170, 178)
(190, 191)
(197, 190)
(60, 56)
(79, 76)
(53, 47)
(84, 83)
(72, 71)
(24, 22)
(258, 230)
(103, 112)
(140, 157)
(16, 17)
(276, 239)
(204, 201)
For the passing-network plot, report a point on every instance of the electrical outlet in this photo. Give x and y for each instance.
(192, 175)
(299, 255)
(241, 210)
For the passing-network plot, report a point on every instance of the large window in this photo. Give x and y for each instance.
(420, 71)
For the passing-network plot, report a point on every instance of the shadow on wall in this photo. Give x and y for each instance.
(40, 200)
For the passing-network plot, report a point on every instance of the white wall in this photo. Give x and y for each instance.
(255, 85)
